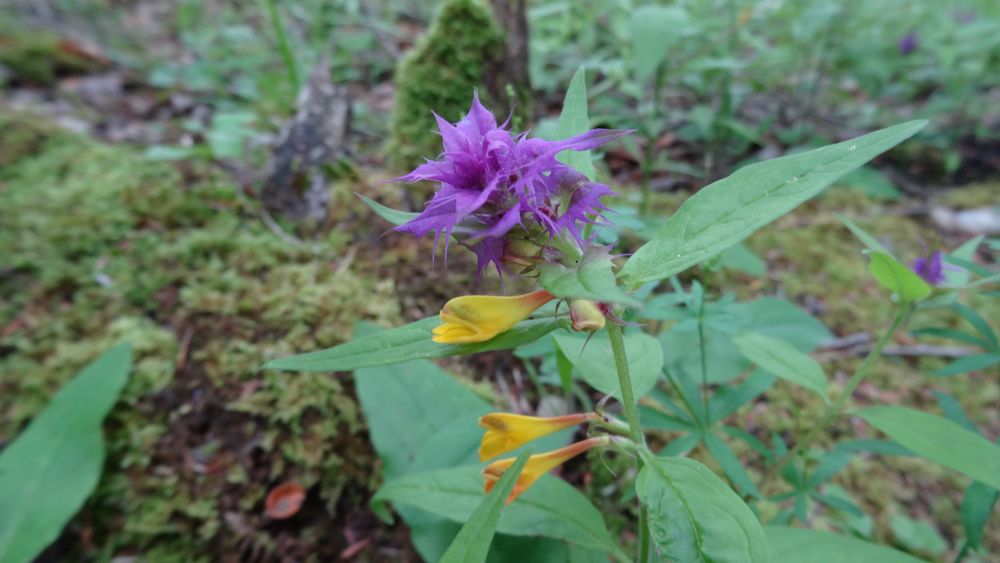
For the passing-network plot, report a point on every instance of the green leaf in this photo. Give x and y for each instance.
(740, 258)
(940, 440)
(812, 546)
(52, 467)
(472, 544)
(978, 322)
(550, 507)
(872, 182)
(654, 29)
(898, 278)
(916, 535)
(394, 216)
(565, 369)
(769, 316)
(871, 242)
(595, 362)
(573, 120)
(960, 277)
(977, 506)
(592, 278)
(953, 411)
(731, 465)
(728, 399)
(729, 210)
(694, 516)
(780, 358)
(394, 401)
(966, 364)
(405, 343)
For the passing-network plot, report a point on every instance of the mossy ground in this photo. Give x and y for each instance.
(101, 245)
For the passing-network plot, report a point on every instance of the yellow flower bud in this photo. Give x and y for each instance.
(505, 432)
(537, 465)
(586, 315)
(478, 318)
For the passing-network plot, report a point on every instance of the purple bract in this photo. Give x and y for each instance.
(930, 268)
(492, 181)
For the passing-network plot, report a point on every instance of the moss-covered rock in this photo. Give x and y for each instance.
(100, 245)
(439, 74)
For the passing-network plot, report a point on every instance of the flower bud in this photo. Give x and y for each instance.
(586, 315)
(521, 252)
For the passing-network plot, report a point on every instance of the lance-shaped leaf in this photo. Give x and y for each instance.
(574, 120)
(694, 516)
(51, 468)
(472, 544)
(812, 546)
(394, 216)
(405, 343)
(940, 440)
(729, 210)
(783, 360)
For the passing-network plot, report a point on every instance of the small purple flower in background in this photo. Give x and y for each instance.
(929, 268)
(493, 182)
(909, 43)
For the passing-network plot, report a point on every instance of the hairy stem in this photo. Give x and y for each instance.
(837, 406)
(632, 417)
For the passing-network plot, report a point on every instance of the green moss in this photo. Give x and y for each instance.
(101, 245)
(439, 74)
(36, 56)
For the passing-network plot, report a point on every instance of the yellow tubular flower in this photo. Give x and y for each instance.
(478, 318)
(506, 432)
(537, 465)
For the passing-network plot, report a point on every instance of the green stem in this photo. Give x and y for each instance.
(283, 45)
(704, 360)
(632, 417)
(835, 409)
(625, 382)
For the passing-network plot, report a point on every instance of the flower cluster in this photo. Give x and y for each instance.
(501, 193)
(505, 432)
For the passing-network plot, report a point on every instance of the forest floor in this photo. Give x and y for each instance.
(101, 243)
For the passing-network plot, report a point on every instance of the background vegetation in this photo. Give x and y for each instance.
(134, 141)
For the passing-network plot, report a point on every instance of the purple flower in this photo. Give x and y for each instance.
(929, 268)
(492, 181)
(909, 43)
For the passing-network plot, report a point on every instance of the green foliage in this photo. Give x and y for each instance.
(694, 516)
(939, 440)
(550, 508)
(783, 360)
(654, 30)
(472, 544)
(812, 546)
(574, 120)
(591, 278)
(713, 219)
(53, 466)
(897, 278)
(592, 359)
(405, 343)
(439, 74)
